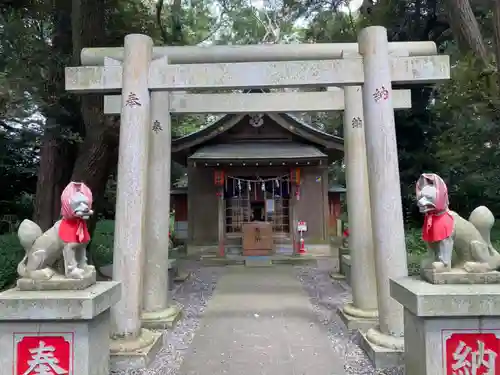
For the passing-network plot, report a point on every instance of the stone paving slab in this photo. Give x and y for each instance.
(260, 321)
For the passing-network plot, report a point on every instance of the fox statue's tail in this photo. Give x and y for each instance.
(482, 218)
(27, 233)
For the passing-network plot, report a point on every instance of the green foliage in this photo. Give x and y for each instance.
(414, 244)
(18, 171)
(467, 142)
(102, 242)
(332, 27)
(11, 253)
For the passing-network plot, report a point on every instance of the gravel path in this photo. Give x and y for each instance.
(326, 296)
(193, 294)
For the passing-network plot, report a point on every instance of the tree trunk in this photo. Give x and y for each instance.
(56, 153)
(52, 166)
(95, 162)
(98, 154)
(496, 36)
(466, 29)
(101, 132)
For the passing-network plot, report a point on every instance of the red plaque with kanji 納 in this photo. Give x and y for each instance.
(43, 354)
(467, 352)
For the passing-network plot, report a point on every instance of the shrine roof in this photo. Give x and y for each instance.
(184, 147)
(257, 151)
(290, 123)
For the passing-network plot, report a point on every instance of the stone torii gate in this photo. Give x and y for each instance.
(362, 313)
(145, 76)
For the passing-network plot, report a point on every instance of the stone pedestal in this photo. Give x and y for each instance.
(334, 259)
(338, 273)
(70, 326)
(134, 352)
(447, 325)
(355, 318)
(384, 351)
(345, 266)
(343, 251)
(162, 319)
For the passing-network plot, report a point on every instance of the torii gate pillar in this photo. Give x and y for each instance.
(385, 196)
(362, 313)
(130, 343)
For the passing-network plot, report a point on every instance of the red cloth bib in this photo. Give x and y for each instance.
(437, 227)
(74, 231)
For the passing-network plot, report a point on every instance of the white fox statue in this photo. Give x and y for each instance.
(453, 242)
(68, 238)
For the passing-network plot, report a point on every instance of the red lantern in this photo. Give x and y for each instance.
(295, 176)
(219, 178)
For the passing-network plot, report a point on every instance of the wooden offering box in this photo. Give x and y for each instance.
(257, 238)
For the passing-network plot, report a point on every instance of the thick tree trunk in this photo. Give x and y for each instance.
(54, 165)
(97, 159)
(97, 155)
(466, 29)
(496, 36)
(101, 132)
(56, 153)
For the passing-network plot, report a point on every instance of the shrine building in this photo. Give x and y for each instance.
(262, 168)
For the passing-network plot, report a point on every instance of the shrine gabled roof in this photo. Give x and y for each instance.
(287, 121)
(257, 151)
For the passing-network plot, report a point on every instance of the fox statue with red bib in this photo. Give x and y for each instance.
(68, 238)
(454, 244)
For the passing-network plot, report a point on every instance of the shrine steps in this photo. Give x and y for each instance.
(214, 260)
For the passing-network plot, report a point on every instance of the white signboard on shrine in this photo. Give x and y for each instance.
(471, 352)
(43, 353)
(301, 226)
(270, 206)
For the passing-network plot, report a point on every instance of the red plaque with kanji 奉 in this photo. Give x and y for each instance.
(43, 354)
(470, 352)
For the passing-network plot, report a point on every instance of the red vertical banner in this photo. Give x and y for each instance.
(219, 179)
(43, 353)
(295, 180)
(295, 176)
(471, 353)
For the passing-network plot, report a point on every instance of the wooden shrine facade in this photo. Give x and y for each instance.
(268, 168)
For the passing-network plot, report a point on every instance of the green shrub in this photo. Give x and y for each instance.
(102, 243)
(416, 249)
(414, 243)
(11, 253)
